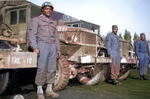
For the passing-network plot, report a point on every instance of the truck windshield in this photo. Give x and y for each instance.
(13, 19)
(22, 16)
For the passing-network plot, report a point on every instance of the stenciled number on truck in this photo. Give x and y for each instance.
(61, 29)
(29, 60)
(16, 60)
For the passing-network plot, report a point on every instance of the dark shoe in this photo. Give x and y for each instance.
(141, 77)
(116, 82)
(144, 78)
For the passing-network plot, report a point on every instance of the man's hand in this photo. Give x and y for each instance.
(111, 56)
(36, 50)
(58, 54)
(138, 58)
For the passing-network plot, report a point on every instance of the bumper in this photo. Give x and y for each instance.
(89, 59)
(14, 60)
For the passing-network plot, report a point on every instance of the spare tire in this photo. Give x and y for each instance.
(62, 74)
(94, 76)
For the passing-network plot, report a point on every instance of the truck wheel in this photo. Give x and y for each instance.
(94, 76)
(107, 70)
(62, 74)
(103, 53)
(125, 72)
(4, 77)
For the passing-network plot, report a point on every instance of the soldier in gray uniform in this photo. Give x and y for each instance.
(113, 49)
(44, 40)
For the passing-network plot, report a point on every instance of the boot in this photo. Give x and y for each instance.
(141, 77)
(49, 92)
(116, 82)
(144, 78)
(40, 94)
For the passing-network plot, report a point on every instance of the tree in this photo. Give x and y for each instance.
(135, 37)
(127, 35)
(120, 36)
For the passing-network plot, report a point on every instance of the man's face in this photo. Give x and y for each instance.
(115, 30)
(47, 11)
(142, 37)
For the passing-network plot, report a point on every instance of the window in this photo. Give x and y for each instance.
(13, 19)
(68, 25)
(75, 25)
(22, 16)
(18, 16)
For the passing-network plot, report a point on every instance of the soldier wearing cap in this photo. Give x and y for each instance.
(113, 49)
(142, 52)
(44, 40)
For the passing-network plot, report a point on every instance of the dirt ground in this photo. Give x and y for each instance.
(132, 88)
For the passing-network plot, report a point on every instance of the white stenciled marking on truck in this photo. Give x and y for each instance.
(63, 28)
(61, 35)
(29, 60)
(15, 60)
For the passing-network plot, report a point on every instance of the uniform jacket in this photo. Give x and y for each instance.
(112, 43)
(141, 47)
(42, 31)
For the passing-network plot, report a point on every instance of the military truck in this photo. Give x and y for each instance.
(84, 55)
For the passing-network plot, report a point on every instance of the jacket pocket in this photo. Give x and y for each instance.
(53, 28)
(43, 26)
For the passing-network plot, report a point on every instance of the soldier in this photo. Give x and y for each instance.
(142, 52)
(113, 49)
(44, 40)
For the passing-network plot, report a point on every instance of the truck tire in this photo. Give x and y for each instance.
(125, 72)
(92, 77)
(62, 74)
(4, 75)
(4, 78)
(107, 70)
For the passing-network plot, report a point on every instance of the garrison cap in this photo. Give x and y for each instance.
(114, 26)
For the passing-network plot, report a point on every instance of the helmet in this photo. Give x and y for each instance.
(47, 4)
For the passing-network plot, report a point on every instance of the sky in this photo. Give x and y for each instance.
(133, 15)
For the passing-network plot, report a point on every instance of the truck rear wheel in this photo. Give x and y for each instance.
(62, 74)
(4, 78)
(125, 71)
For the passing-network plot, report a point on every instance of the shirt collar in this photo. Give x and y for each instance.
(114, 34)
(44, 19)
